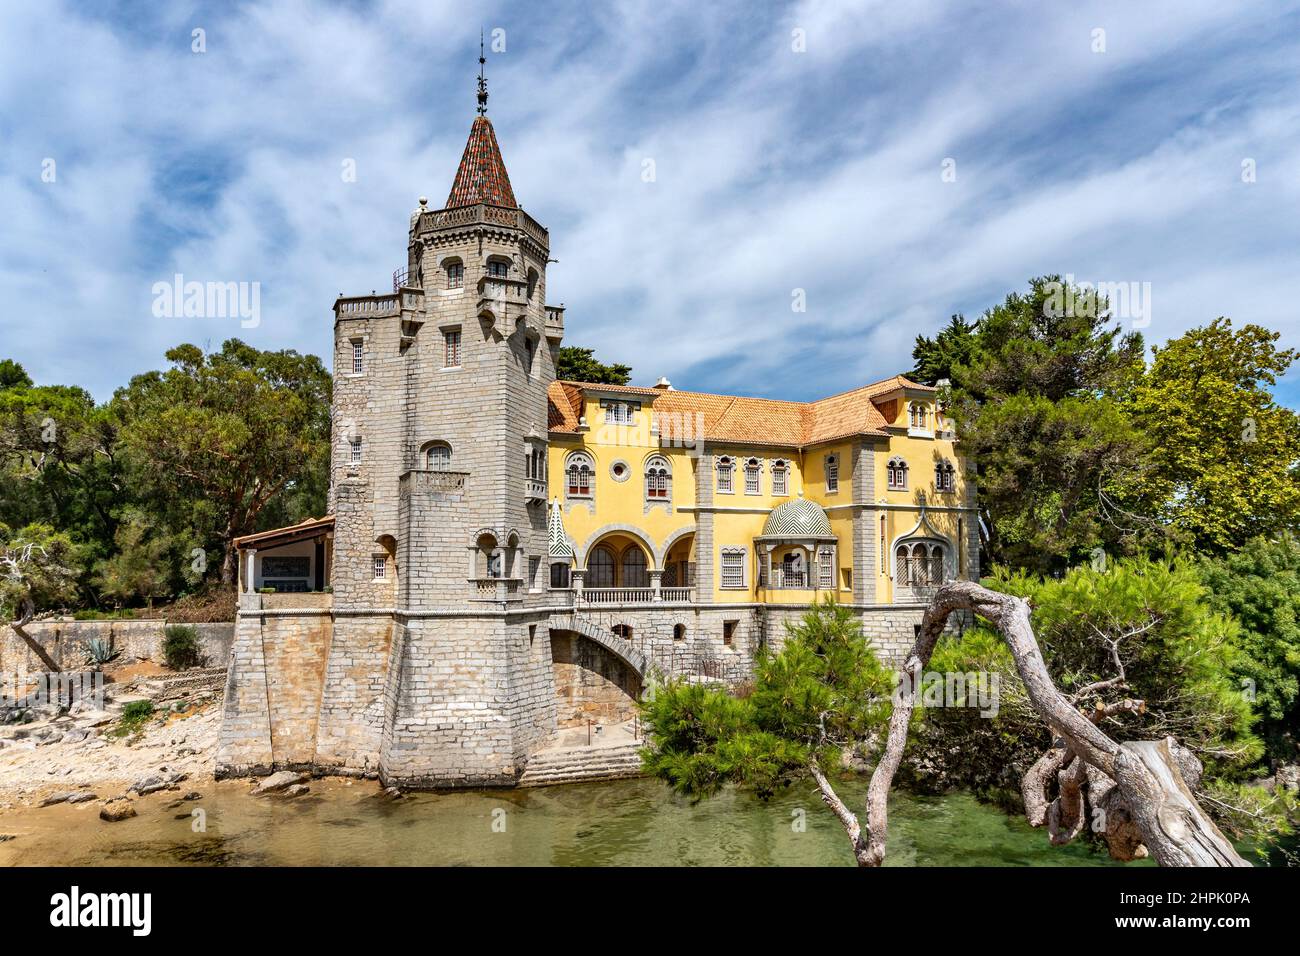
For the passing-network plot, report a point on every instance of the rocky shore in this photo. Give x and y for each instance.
(91, 751)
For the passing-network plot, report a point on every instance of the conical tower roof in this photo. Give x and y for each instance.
(482, 175)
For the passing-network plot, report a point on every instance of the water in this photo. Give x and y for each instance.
(630, 822)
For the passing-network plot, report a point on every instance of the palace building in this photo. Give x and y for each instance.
(508, 556)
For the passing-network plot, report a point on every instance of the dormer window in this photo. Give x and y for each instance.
(918, 417)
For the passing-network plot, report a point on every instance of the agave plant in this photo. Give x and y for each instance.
(99, 652)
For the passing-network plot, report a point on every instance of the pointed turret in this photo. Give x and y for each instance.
(482, 175)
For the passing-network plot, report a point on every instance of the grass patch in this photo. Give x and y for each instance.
(134, 716)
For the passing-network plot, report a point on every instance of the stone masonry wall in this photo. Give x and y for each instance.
(67, 641)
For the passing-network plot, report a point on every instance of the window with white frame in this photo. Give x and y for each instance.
(832, 473)
(897, 472)
(381, 567)
(657, 478)
(919, 416)
(620, 413)
(733, 567)
(726, 469)
(753, 469)
(579, 472)
(826, 567)
(354, 450)
(944, 476)
(358, 357)
(451, 348)
(780, 478)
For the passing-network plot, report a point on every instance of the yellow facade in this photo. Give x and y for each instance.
(619, 518)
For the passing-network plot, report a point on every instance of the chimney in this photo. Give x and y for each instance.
(663, 384)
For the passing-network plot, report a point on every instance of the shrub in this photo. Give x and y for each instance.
(99, 652)
(181, 647)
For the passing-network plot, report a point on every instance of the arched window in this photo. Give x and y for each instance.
(579, 471)
(753, 468)
(437, 456)
(679, 632)
(726, 469)
(600, 568)
(944, 476)
(780, 478)
(622, 630)
(897, 474)
(634, 568)
(903, 570)
(657, 478)
(498, 268)
(919, 416)
(920, 564)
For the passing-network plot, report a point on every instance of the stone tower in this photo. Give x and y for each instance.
(439, 488)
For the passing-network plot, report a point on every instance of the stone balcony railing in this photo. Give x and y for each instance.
(496, 589)
(484, 214)
(555, 322)
(444, 484)
(633, 595)
(534, 489)
(371, 306)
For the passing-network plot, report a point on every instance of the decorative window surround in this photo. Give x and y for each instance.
(734, 575)
(832, 466)
(897, 474)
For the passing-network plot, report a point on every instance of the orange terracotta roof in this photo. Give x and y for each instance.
(753, 421)
(482, 175)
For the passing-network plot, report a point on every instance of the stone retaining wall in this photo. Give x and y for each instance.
(67, 641)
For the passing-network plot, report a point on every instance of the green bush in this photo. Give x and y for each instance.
(133, 718)
(181, 647)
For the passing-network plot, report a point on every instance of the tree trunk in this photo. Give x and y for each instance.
(1150, 785)
(20, 628)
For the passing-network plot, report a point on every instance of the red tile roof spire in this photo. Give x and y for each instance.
(482, 175)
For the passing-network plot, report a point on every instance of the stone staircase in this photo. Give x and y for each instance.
(197, 680)
(582, 764)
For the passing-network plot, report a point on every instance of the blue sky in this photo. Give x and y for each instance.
(775, 169)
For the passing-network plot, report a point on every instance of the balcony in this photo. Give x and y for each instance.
(555, 321)
(495, 589)
(634, 596)
(534, 490)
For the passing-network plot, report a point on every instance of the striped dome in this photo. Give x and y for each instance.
(798, 518)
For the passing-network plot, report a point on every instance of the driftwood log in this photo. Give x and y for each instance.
(1141, 788)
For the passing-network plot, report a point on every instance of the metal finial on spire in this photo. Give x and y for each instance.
(482, 80)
